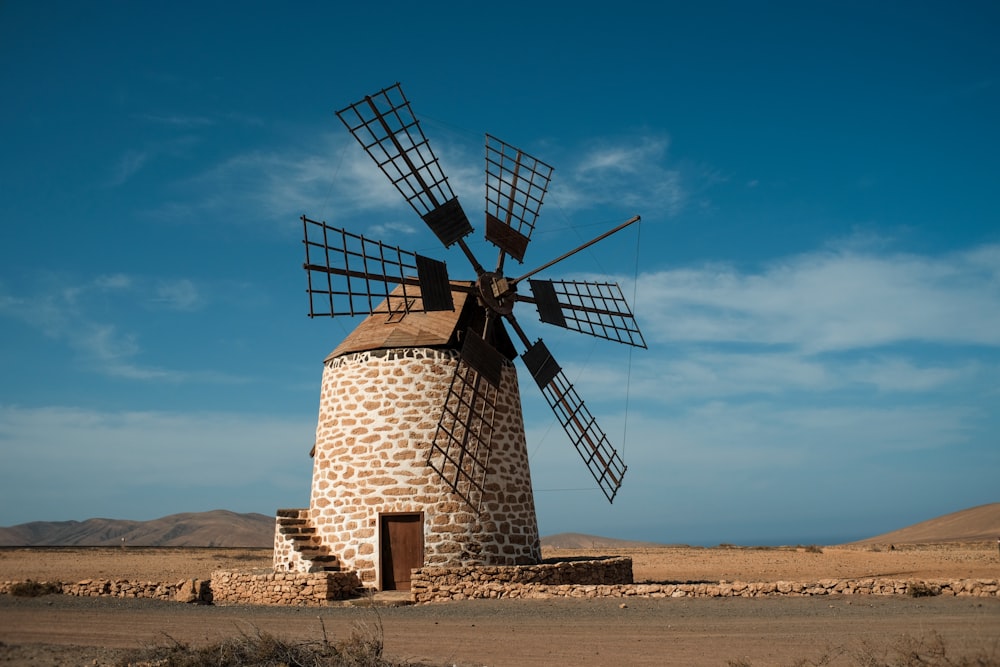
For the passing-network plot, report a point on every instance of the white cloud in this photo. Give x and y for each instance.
(115, 281)
(87, 318)
(830, 301)
(328, 180)
(180, 294)
(633, 173)
(331, 178)
(179, 120)
(127, 166)
(107, 456)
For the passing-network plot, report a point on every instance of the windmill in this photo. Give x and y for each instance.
(474, 443)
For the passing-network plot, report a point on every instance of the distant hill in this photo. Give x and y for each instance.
(222, 528)
(975, 524)
(581, 541)
(218, 528)
(972, 525)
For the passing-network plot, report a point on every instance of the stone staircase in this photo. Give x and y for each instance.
(295, 526)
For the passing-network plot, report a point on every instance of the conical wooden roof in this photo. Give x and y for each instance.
(384, 329)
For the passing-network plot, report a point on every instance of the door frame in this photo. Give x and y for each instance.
(382, 535)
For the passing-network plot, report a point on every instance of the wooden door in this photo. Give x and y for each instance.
(402, 549)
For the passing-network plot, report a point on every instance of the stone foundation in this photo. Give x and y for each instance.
(432, 584)
(283, 588)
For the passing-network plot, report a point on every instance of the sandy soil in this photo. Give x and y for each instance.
(777, 631)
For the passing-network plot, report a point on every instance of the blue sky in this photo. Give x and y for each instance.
(817, 271)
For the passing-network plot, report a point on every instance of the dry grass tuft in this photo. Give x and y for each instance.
(34, 589)
(919, 589)
(260, 649)
(907, 651)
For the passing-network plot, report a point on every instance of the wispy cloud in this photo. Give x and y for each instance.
(180, 294)
(140, 462)
(179, 120)
(280, 185)
(331, 177)
(634, 172)
(754, 372)
(127, 166)
(82, 318)
(830, 301)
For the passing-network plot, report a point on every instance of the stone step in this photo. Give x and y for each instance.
(373, 598)
(292, 522)
(297, 530)
(325, 558)
(291, 513)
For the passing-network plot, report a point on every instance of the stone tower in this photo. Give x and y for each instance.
(376, 506)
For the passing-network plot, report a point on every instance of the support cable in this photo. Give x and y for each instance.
(635, 308)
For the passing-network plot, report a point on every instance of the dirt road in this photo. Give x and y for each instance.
(774, 631)
(529, 632)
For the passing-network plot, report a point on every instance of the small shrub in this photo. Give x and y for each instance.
(34, 589)
(362, 649)
(919, 589)
(813, 549)
(926, 651)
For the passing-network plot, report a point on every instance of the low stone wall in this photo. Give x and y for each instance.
(438, 591)
(526, 582)
(267, 587)
(431, 584)
(187, 590)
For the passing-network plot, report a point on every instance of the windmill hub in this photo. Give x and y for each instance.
(496, 293)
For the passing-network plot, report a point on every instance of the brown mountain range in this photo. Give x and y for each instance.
(222, 528)
(972, 525)
(218, 528)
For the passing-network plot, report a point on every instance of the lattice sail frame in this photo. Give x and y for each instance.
(371, 270)
(460, 451)
(386, 128)
(590, 441)
(597, 309)
(516, 183)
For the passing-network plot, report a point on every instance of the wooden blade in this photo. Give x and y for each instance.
(460, 452)
(386, 128)
(515, 186)
(597, 309)
(349, 274)
(590, 442)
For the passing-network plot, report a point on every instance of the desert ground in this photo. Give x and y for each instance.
(57, 629)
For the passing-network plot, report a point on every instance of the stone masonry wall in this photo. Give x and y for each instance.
(612, 577)
(432, 584)
(378, 415)
(282, 588)
(986, 588)
(185, 590)
(535, 582)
